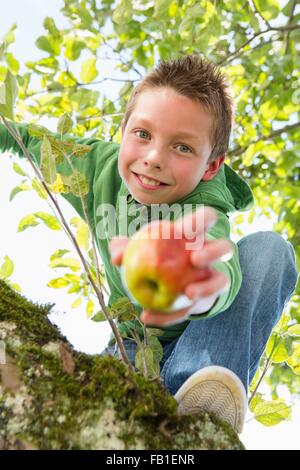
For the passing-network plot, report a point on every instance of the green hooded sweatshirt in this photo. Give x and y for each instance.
(227, 193)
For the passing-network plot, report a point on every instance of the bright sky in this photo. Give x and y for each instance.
(30, 250)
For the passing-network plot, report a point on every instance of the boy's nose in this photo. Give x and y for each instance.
(154, 159)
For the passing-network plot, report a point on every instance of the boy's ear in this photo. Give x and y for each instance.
(213, 168)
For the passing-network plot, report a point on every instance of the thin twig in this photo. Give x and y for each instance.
(267, 365)
(18, 139)
(287, 47)
(233, 54)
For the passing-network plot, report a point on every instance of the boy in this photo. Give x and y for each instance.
(175, 135)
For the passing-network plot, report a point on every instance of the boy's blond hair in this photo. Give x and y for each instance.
(200, 80)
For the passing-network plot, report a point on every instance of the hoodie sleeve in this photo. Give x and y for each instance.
(90, 164)
(231, 268)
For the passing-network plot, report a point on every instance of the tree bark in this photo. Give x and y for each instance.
(53, 397)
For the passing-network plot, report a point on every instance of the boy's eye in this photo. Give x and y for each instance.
(189, 150)
(139, 130)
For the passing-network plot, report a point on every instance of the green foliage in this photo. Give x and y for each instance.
(282, 348)
(6, 271)
(57, 260)
(64, 124)
(270, 413)
(32, 220)
(7, 268)
(48, 166)
(8, 95)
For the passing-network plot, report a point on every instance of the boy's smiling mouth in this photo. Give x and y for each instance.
(148, 182)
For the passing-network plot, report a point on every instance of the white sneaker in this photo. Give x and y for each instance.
(214, 389)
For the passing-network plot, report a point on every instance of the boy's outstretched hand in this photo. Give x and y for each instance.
(209, 289)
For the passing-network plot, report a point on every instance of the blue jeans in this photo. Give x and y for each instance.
(237, 337)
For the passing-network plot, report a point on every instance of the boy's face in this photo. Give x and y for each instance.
(155, 145)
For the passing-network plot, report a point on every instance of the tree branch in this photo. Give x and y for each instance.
(55, 398)
(232, 55)
(289, 22)
(238, 150)
(260, 14)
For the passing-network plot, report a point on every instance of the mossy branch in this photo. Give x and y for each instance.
(53, 397)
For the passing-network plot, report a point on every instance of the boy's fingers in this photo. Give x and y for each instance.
(217, 283)
(149, 317)
(196, 223)
(117, 246)
(217, 250)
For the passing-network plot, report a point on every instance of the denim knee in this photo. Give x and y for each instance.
(283, 251)
(271, 246)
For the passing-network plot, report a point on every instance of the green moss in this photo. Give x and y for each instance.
(31, 318)
(66, 408)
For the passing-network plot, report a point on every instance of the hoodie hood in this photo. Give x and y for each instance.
(227, 191)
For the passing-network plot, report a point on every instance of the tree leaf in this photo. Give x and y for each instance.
(78, 183)
(49, 220)
(7, 268)
(73, 48)
(294, 360)
(40, 190)
(88, 70)
(48, 44)
(65, 124)
(270, 413)
(27, 221)
(12, 62)
(71, 263)
(58, 254)
(8, 95)
(277, 348)
(270, 9)
(161, 7)
(48, 167)
(258, 398)
(3, 72)
(294, 330)
(9, 37)
(79, 150)
(123, 11)
(51, 27)
(90, 308)
(37, 131)
(58, 282)
(19, 170)
(82, 235)
(98, 317)
(123, 309)
(17, 189)
(59, 186)
(156, 348)
(76, 303)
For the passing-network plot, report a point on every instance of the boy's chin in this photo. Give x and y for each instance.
(147, 200)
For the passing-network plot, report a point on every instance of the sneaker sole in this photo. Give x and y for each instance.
(214, 389)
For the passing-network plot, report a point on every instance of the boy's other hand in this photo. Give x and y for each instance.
(205, 292)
